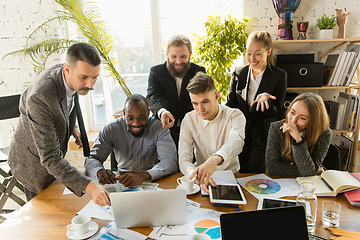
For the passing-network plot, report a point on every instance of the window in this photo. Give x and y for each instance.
(133, 25)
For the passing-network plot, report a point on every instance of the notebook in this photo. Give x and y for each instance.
(149, 208)
(275, 223)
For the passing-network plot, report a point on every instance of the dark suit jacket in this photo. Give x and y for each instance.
(40, 141)
(274, 82)
(162, 92)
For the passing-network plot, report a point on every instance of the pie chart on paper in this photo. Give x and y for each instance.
(208, 227)
(263, 186)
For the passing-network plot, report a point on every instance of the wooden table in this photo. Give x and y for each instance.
(47, 215)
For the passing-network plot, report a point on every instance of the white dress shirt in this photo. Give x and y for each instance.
(69, 95)
(253, 85)
(223, 136)
(178, 89)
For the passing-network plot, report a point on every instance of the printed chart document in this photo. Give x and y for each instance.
(332, 182)
(199, 220)
(261, 186)
(110, 232)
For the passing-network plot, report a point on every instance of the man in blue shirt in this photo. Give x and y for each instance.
(143, 149)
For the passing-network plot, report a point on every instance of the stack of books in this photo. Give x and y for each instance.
(339, 69)
(343, 113)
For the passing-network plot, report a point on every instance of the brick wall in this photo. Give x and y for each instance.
(18, 18)
(263, 16)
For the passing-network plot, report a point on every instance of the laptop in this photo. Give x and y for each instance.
(274, 223)
(149, 208)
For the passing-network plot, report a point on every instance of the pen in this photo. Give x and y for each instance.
(327, 184)
(239, 209)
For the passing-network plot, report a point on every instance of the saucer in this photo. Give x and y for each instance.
(195, 189)
(72, 234)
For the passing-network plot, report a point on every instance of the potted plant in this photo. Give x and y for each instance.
(225, 41)
(86, 16)
(326, 25)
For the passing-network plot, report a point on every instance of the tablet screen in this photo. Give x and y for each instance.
(275, 203)
(226, 192)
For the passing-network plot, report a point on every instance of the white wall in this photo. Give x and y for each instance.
(18, 18)
(263, 16)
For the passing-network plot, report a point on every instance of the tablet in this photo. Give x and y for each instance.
(265, 203)
(227, 194)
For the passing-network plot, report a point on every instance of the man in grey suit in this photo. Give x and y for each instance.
(47, 119)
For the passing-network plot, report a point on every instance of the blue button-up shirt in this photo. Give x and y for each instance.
(154, 151)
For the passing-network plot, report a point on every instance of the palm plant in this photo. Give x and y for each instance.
(86, 16)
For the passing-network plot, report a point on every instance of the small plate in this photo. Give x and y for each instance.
(72, 234)
(195, 189)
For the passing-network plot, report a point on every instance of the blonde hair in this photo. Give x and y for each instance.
(318, 121)
(265, 38)
(178, 41)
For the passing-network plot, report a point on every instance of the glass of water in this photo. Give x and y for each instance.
(331, 213)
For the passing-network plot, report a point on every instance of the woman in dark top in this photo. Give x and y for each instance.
(297, 145)
(258, 90)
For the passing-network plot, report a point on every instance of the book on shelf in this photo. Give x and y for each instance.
(329, 66)
(345, 69)
(345, 66)
(346, 143)
(354, 64)
(331, 182)
(348, 116)
(341, 69)
(338, 66)
(332, 109)
(354, 196)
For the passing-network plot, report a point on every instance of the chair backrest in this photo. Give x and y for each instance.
(9, 107)
(332, 158)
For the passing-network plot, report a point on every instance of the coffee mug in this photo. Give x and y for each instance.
(201, 236)
(186, 183)
(80, 223)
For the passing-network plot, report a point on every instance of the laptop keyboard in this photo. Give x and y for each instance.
(313, 237)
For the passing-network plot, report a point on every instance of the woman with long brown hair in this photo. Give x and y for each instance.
(297, 145)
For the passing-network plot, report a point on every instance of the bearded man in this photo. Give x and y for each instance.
(166, 94)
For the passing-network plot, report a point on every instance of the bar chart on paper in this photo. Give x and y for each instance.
(208, 227)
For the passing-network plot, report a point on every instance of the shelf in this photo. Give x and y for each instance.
(342, 131)
(325, 87)
(352, 40)
(341, 41)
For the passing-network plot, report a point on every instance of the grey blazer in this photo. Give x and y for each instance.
(41, 138)
(305, 164)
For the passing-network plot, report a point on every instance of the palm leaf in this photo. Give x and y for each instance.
(87, 17)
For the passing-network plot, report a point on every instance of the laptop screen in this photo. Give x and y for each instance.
(276, 223)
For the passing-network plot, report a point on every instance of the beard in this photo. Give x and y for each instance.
(177, 73)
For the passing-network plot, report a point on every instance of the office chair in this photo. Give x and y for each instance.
(332, 158)
(9, 108)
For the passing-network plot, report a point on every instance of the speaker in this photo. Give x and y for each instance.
(303, 74)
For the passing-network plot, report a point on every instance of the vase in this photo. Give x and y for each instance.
(326, 34)
(308, 200)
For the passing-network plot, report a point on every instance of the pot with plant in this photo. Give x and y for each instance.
(224, 42)
(326, 25)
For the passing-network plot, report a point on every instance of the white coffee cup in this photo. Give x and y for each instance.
(186, 183)
(201, 236)
(80, 223)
